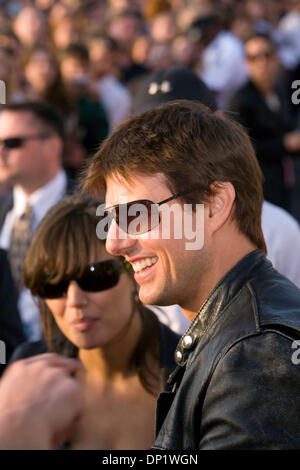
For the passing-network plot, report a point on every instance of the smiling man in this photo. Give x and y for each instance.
(236, 386)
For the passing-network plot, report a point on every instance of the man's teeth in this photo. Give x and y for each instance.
(144, 263)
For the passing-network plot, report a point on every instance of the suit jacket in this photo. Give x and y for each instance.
(266, 128)
(11, 329)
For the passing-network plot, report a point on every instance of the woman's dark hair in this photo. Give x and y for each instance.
(64, 242)
(56, 94)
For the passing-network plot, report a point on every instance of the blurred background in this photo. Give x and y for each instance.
(89, 57)
(98, 61)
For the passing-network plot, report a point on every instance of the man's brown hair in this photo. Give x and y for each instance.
(194, 148)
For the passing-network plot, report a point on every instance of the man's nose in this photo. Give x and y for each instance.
(118, 242)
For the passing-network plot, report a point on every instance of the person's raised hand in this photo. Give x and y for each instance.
(39, 402)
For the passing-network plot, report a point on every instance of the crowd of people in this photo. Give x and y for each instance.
(89, 57)
(89, 91)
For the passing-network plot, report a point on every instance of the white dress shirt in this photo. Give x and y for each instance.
(40, 201)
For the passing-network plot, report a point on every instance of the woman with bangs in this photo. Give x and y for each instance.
(90, 310)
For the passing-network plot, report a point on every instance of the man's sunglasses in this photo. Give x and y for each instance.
(17, 142)
(95, 278)
(138, 217)
(260, 56)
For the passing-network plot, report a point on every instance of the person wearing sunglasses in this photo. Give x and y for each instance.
(90, 310)
(237, 371)
(262, 105)
(31, 150)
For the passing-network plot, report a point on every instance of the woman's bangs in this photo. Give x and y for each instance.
(69, 254)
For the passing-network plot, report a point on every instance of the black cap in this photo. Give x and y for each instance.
(173, 83)
(202, 26)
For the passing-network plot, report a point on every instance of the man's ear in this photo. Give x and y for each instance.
(55, 146)
(221, 204)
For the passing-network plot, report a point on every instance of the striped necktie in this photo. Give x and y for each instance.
(19, 244)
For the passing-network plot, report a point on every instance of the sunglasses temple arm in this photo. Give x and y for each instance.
(174, 197)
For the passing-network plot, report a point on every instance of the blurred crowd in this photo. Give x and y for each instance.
(88, 57)
(75, 69)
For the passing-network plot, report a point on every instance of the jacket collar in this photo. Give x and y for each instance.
(220, 296)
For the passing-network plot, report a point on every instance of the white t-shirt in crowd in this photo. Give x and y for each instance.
(172, 316)
(287, 38)
(116, 100)
(282, 236)
(223, 66)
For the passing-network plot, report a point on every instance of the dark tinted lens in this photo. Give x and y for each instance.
(260, 55)
(13, 143)
(137, 217)
(53, 291)
(100, 276)
(97, 277)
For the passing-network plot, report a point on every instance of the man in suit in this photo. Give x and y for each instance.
(11, 330)
(262, 105)
(31, 149)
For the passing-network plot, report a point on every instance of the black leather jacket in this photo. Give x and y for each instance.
(237, 383)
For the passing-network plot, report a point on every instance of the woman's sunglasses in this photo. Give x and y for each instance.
(138, 217)
(95, 278)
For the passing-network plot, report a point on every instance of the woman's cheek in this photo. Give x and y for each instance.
(56, 306)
